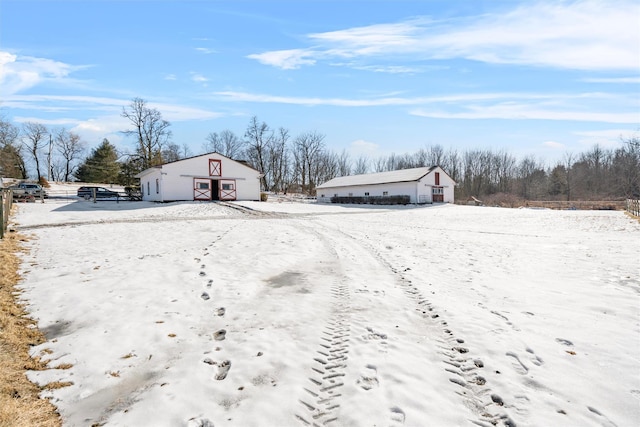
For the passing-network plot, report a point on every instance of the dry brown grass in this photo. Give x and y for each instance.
(632, 216)
(20, 402)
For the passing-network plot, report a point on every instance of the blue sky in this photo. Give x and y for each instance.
(375, 77)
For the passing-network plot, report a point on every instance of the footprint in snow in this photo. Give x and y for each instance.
(220, 311)
(397, 415)
(199, 422)
(205, 296)
(369, 379)
(219, 335)
(517, 364)
(223, 370)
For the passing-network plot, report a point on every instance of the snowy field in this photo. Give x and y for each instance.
(298, 314)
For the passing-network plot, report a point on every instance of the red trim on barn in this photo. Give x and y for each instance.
(228, 189)
(215, 167)
(201, 193)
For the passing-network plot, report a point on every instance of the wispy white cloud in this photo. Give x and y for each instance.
(111, 106)
(19, 73)
(198, 78)
(379, 101)
(609, 138)
(361, 146)
(520, 111)
(286, 59)
(205, 50)
(583, 34)
(621, 80)
(388, 69)
(505, 106)
(170, 77)
(554, 145)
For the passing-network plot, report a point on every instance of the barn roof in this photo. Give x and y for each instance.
(153, 168)
(403, 175)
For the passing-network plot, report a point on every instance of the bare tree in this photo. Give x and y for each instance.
(35, 138)
(258, 137)
(226, 143)
(70, 147)
(362, 165)
(11, 160)
(171, 152)
(451, 164)
(149, 129)
(435, 156)
(626, 168)
(532, 177)
(308, 148)
(568, 165)
(327, 166)
(279, 160)
(344, 164)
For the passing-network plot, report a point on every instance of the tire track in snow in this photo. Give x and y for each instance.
(458, 360)
(350, 348)
(322, 401)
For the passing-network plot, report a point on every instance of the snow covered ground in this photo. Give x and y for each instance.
(298, 314)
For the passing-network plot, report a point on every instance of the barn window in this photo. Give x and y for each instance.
(385, 193)
(438, 190)
(437, 177)
(203, 185)
(215, 167)
(322, 195)
(366, 194)
(227, 186)
(350, 194)
(148, 188)
(157, 186)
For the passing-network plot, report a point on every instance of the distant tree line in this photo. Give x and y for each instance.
(302, 162)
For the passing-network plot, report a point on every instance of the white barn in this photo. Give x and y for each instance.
(421, 185)
(205, 177)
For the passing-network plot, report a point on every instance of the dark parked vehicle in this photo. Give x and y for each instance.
(100, 193)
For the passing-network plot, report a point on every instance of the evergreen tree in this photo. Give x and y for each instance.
(101, 166)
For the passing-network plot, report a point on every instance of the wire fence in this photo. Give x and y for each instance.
(633, 207)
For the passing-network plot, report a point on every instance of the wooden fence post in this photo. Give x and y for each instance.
(6, 200)
(1, 214)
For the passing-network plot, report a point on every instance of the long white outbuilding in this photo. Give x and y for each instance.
(420, 185)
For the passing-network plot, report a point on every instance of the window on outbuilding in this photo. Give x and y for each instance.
(385, 193)
(437, 177)
(148, 188)
(157, 186)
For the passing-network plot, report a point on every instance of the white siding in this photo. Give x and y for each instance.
(393, 189)
(419, 190)
(176, 180)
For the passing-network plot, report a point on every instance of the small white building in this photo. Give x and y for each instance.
(421, 185)
(205, 177)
